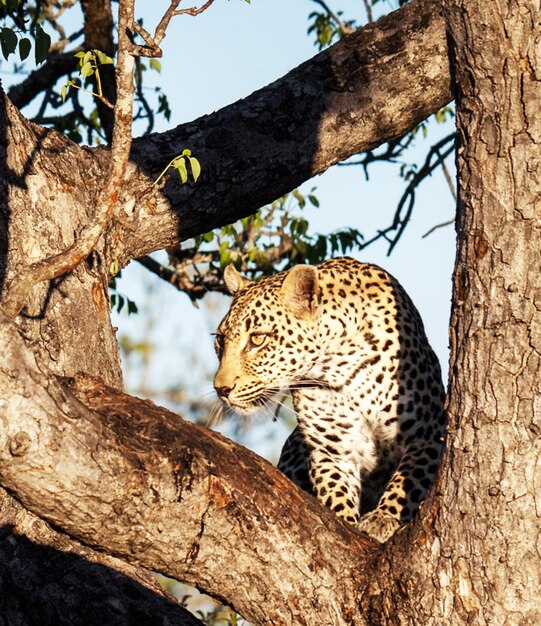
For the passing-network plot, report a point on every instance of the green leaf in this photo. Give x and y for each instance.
(79, 55)
(187, 152)
(43, 43)
(87, 58)
(132, 307)
(180, 166)
(299, 197)
(64, 92)
(8, 41)
(196, 168)
(102, 58)
(164, 107)
(25, 45)
(87, 70)
(225, 258)
(155, 65)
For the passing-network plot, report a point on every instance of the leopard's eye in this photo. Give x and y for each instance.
(257, 340)
(219, 341)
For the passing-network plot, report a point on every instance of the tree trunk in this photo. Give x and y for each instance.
(493, 476)
(480, 562)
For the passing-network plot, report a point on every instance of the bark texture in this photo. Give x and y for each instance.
(45, 202)
(478, 562)
(493, 473)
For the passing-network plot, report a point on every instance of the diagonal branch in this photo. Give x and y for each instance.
(373, 86)
(143, 484)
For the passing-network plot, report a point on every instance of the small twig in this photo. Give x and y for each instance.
(194, 289)
(453, 193)
(152, 43)
(368, 9)
(442, 225)
(400, 222)
(99, 96)
(159, 33)
(449, 180)
(193, 10)
(144, 34)
(391, 154)
(144, 105)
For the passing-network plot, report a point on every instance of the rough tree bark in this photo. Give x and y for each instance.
(479, 564)
(120, 475)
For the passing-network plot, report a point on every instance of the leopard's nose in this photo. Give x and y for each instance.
(224, 392)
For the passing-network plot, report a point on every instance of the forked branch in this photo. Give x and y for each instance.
(152, 42)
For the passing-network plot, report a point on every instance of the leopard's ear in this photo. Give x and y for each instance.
(233, 280)
(300, 290)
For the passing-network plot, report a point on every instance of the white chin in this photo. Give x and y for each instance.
(246, 410)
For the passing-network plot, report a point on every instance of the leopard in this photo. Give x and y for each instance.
(345, 340)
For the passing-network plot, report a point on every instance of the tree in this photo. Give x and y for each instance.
(89, 470)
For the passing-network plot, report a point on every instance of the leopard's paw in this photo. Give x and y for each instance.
(378, 525)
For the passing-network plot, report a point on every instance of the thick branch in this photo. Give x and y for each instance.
(371, 87)
(135, 480)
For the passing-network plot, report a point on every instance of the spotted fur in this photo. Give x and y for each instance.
(347, 341)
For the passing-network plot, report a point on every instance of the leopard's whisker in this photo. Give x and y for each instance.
(216, 414)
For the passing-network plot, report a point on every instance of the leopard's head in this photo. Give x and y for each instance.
(268, 340)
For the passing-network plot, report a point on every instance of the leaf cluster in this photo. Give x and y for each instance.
(328, 28)
(25, 24)
(180, 165)
(89, 63)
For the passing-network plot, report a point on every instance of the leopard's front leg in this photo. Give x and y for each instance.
(407, 487)
(336, 483)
